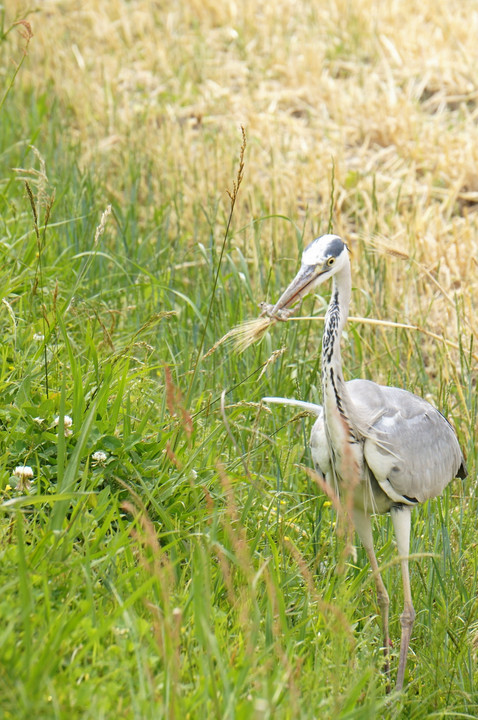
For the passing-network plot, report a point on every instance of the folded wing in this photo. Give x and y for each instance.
(410, 448)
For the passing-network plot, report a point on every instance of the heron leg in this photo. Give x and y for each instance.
(401, 519)
(363, 526)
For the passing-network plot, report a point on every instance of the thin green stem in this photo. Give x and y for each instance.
(233, 198)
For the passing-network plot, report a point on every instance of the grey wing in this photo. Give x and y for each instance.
(410, 448)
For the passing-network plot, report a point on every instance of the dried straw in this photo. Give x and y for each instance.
(252, 331)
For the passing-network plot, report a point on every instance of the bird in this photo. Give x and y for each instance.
(382, 448)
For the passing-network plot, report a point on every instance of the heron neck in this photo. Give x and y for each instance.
(339, 412)
(335, 319)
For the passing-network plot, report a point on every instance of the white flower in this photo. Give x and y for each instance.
(38, 337)
(99, 457)
(24, 473)
(67, 423)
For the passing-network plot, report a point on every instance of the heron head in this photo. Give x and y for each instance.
(325, 256)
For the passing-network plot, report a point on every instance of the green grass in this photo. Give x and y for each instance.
(196, 573)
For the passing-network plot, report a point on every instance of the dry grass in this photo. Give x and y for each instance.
(387, 90)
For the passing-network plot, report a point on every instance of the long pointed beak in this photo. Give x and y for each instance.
(299, 287)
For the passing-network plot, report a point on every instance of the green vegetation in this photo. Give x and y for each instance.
(169, 558)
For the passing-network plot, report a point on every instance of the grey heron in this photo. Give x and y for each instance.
(383, 447)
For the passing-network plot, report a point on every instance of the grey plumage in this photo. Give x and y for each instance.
(389, 447)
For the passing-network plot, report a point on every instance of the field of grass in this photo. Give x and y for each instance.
(169, 559)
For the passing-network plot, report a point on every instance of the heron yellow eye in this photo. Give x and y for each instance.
(330, 261)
